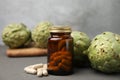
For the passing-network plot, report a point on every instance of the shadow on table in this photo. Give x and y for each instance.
(89, 69)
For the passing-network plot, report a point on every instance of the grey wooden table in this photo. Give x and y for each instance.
(12, 69)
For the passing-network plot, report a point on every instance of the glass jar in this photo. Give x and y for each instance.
(60, 51)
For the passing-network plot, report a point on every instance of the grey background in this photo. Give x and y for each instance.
(89, 16)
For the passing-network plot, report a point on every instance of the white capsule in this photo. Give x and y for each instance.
(30, 70)
(35, 66)
(45, 72)
(39, 72)
(45, 66)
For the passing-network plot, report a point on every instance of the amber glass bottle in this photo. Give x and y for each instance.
(60, 51)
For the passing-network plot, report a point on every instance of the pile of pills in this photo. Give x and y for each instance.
(38, 69)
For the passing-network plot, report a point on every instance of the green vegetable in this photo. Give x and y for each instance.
(81, 44)
(15, 35)
(41, 33)
(104, 52)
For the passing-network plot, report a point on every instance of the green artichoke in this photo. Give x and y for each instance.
(104, 52)
(81, 44)
(41, 33)
(15, 35)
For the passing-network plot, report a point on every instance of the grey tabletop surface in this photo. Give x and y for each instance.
(12, 69)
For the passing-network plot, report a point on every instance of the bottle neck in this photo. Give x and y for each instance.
(60, 34)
